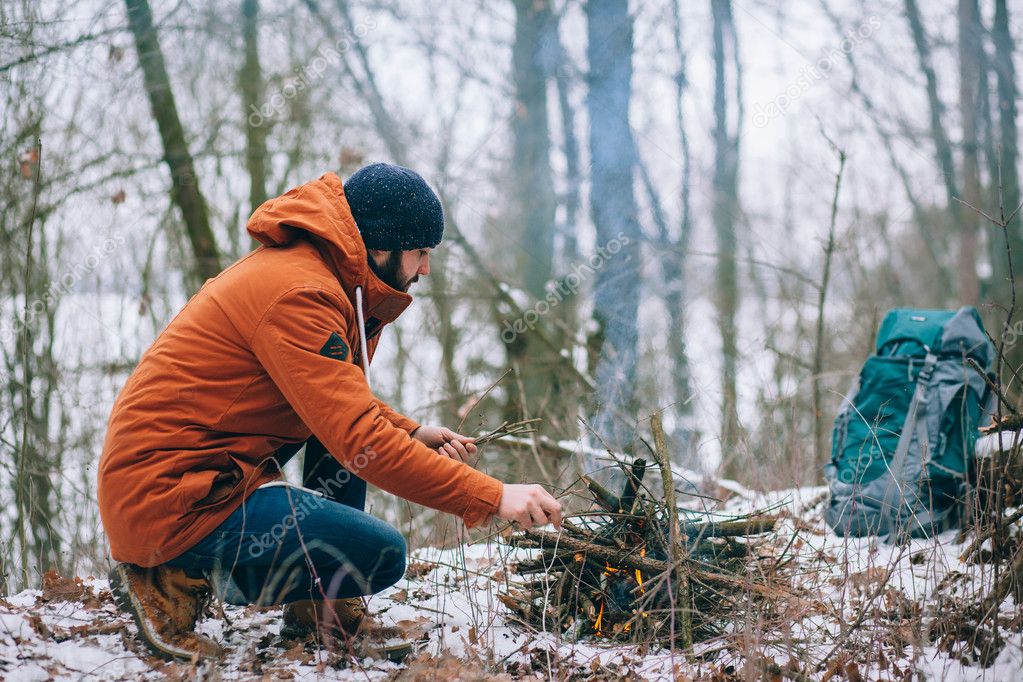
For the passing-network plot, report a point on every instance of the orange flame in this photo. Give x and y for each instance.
(610, 570)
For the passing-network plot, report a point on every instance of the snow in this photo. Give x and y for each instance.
(450, 597)
(991, 443)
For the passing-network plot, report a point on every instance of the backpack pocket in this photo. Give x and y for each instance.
(875, 420)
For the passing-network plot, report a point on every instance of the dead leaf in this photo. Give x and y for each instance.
(28, 160)
(37, 624)
(59, 588)
(417, 569)
(296, 653)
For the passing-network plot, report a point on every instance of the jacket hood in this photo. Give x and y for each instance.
(318, 211)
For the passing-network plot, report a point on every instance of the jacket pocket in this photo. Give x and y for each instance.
(208, 488)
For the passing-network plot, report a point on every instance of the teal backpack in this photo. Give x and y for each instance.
(903, 444)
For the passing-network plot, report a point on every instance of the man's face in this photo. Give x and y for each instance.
(400, 269)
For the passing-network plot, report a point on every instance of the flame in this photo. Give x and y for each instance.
(611, 570)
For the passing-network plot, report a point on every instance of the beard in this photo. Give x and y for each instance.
(389, 272)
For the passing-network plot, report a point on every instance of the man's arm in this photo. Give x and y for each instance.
(332, 398)
(401, 421)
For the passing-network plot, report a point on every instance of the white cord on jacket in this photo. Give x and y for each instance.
(362, 334)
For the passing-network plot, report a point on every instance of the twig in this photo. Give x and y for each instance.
(972, 364)
(647, 565)
(508, 429)
(482, 396)
(822, 293)
(675, 550)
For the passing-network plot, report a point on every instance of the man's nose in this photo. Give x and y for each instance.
(424, 269)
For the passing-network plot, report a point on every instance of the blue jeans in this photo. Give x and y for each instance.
(284, 544)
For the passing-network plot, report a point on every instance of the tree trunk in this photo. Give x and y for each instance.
(250, 81)
(613, 204)
(725, 212)
(532, 210)
(942, 146)
(573, 176)
(184, 182)
(447, 334)
(673, 268)
(567, 387)
(1007, 95)
(969, 77)
(533, 192)
(1008, 160)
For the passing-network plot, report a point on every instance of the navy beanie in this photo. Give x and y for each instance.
(394, 208)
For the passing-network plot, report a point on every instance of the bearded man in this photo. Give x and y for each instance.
(269, 357)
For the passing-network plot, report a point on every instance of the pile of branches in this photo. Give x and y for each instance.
(974, 628)
(639, 568)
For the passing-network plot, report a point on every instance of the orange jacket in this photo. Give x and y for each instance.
(266, 353)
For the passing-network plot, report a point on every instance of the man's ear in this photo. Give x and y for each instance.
(379, 257)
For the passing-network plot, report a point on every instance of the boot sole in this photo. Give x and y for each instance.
(396, 653)
(127, 602)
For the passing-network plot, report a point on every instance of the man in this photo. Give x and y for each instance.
(273, 354)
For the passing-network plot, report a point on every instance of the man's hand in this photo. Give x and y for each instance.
(529, 505)
(446, 442)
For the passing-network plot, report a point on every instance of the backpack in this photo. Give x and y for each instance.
(903, 442)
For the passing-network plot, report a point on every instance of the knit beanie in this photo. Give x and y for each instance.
(394, 208)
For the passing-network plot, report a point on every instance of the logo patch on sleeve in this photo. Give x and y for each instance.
(335, 347)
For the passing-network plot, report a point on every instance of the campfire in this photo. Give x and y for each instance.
(638, 568)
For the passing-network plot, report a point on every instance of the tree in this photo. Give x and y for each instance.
(532, 204)
(970, 49)
(942, 145)
(184, 181)
(1008, 160)
(250, 80)
(673, 260)
(725, 214)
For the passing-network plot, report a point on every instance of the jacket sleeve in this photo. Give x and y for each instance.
(398, 419)
(332, 398)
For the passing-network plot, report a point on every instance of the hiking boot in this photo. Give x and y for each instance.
(344, 619)
(165, 604)
(303, 617)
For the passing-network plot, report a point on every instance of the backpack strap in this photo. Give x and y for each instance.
(895, 494)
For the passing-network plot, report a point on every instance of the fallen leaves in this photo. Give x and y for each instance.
(58, 588)
(417, 569)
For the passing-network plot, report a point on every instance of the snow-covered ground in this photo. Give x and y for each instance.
(857, 606)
